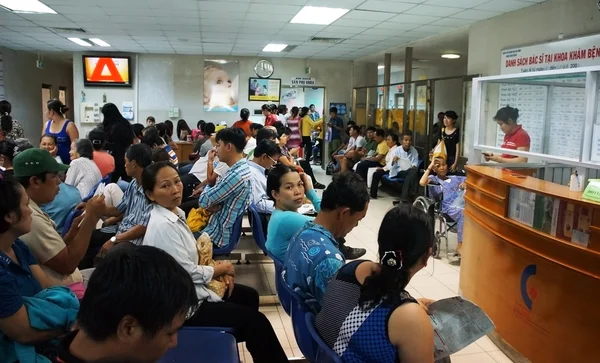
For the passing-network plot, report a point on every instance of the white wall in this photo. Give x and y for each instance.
(23, 87)
(536, 24)
(116, 95)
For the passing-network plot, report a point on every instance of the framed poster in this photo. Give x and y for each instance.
(221, 84)
(264, 89)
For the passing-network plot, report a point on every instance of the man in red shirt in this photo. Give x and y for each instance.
(244, 123)
(515, 137)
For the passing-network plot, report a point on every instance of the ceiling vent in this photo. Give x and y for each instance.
(325, 40)
(69, 30)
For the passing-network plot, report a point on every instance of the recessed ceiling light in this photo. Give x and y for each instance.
(26, 6)
(380, 67)
(99, 42)
(451, 56)
(318, 15)
(274, 47)
(81, 42)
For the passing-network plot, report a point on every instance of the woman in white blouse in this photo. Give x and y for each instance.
(238, 309)
(83, 172)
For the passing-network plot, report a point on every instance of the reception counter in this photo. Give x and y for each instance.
(540, 289)
(184, 150)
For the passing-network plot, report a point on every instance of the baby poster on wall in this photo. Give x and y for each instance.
(221, 85)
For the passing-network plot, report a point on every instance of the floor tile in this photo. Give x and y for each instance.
(274, 318)
(473, 358)
(487, 345)
(470, 349)
(500, 357)
(283, 339)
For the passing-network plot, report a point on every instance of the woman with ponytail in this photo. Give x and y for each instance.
(9, 127)
(60, 127)
(367, 314)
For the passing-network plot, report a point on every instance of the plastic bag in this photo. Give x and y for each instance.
(459, 201)
(197, 219)
(440, 150)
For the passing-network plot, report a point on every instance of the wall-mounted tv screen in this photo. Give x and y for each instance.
(106, 71)
(264, 89)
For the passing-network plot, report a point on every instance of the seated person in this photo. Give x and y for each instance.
(392, 143)
(50, 143)
(153, 139)
(451, 187)
(266, 155)
(104, 160)
(37, 171)
(66, 200)
(160, 155)
(370, 148)
(287, 156)
(377, 161)
(387, 324)
(515, 137)
(313, 257)
(205, 171)
(251, 141)
(411, 175)
(230, 196)
(263, 133)
(244, 123)
(20, 274)
(8, 150)
(144, 323)
(132, 213)
(83, 173)
(210, 142)
(238, 307)
(346, 158)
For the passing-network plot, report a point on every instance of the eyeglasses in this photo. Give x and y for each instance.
(273, 160)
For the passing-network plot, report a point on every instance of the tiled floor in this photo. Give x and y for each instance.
(439, 280)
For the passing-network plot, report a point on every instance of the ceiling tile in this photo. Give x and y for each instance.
(274, 9)
(374, 31)
(342, 4)
(385, 6)
(168, 5)
(433, 10)
(453, 22)
(356, 23)
(367, 15)
(503, 6)
(214, 15)
(288, 2)
(414, 19)
(396, 26)
(475, 14)
(434, 29)
(465, 4)
(222, 6)
(79, 10)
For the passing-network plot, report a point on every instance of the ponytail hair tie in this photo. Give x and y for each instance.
(392, 259)
(6, 114)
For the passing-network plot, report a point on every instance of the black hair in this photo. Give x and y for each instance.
(380, 133)
(440, 116)
(405, 236)
(333, 110)
(112, 116)
(507, 114)
(57, 106)
(22, 145)
(245, 114)
(256, 126)
(140, 153)
(265, 134)
(145, 283)
(354, 127)
(451, 115)
(284, 131)
(351, 123)
(160, 155)
(278, 125)
(150, 172)
(304, 111)
(394, 137)
(266, 147)
(138, 130)
(235, 137)
(162, 129)
(282, 109)
(396, 125)
(407, 133)
(372, 128)
(10, 194)
(265, 107)
(84, 148)
(169, 125)
(49, 136)
(97, 137)
(151, 118)
(26, 180)
(209, 129)
(6, 121)
(182, 125)
(295, 111)
(152, 137)
(273, 108)
(200, 125)
(8, 149)
(311, 105)
(346, 190)
(274, 178)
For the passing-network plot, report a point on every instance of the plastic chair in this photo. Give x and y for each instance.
(69, 221)
(234, 239)
(324, 353)
(257, 229)
(299, 309)
(285, 298)
(203, 345)
(104, 181)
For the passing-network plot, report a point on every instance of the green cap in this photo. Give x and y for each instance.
(35, 162)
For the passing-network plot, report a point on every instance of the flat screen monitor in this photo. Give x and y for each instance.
(106, 71)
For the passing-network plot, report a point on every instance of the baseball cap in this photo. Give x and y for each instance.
(35, 162)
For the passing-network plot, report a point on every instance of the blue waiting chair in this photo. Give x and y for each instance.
(203, 345)
(324, 353)
(281, 286)
(69, 221)
(298, 310)
(105, 181)
(234, 239)
(257, 229)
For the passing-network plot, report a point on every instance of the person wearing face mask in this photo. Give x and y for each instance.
(345, 203)
(515, 137)
(60, 127)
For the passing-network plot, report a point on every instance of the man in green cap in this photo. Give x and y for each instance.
(38, 172)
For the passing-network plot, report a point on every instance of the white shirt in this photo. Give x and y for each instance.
(170, 232)
(250, 145)
(389, 157)
(83, 174)
(259, 189)
(357, 142)
(200, 168)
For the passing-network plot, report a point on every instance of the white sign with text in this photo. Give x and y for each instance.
(303, 81)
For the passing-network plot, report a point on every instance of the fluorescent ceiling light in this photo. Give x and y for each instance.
(380, 67)
(274, 47)
(318, 15)
(81, 42)
(220, 61)
(451, 56)
(99, 42)
(26, 6)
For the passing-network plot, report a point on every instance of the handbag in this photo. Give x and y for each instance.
(205, 258)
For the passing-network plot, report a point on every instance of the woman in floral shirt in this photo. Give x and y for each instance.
(9, 127)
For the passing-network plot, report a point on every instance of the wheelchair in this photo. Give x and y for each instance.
(431, 203)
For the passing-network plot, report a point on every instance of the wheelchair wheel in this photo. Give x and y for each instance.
(436, 246)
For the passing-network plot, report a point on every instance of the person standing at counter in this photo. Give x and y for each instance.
(451, 136)
(60, 127)
(515, 137)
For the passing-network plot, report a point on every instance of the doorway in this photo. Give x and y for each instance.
(46, 96)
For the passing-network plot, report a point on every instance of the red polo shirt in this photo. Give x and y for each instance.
(516, 139)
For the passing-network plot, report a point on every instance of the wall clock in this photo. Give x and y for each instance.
(264, 68)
